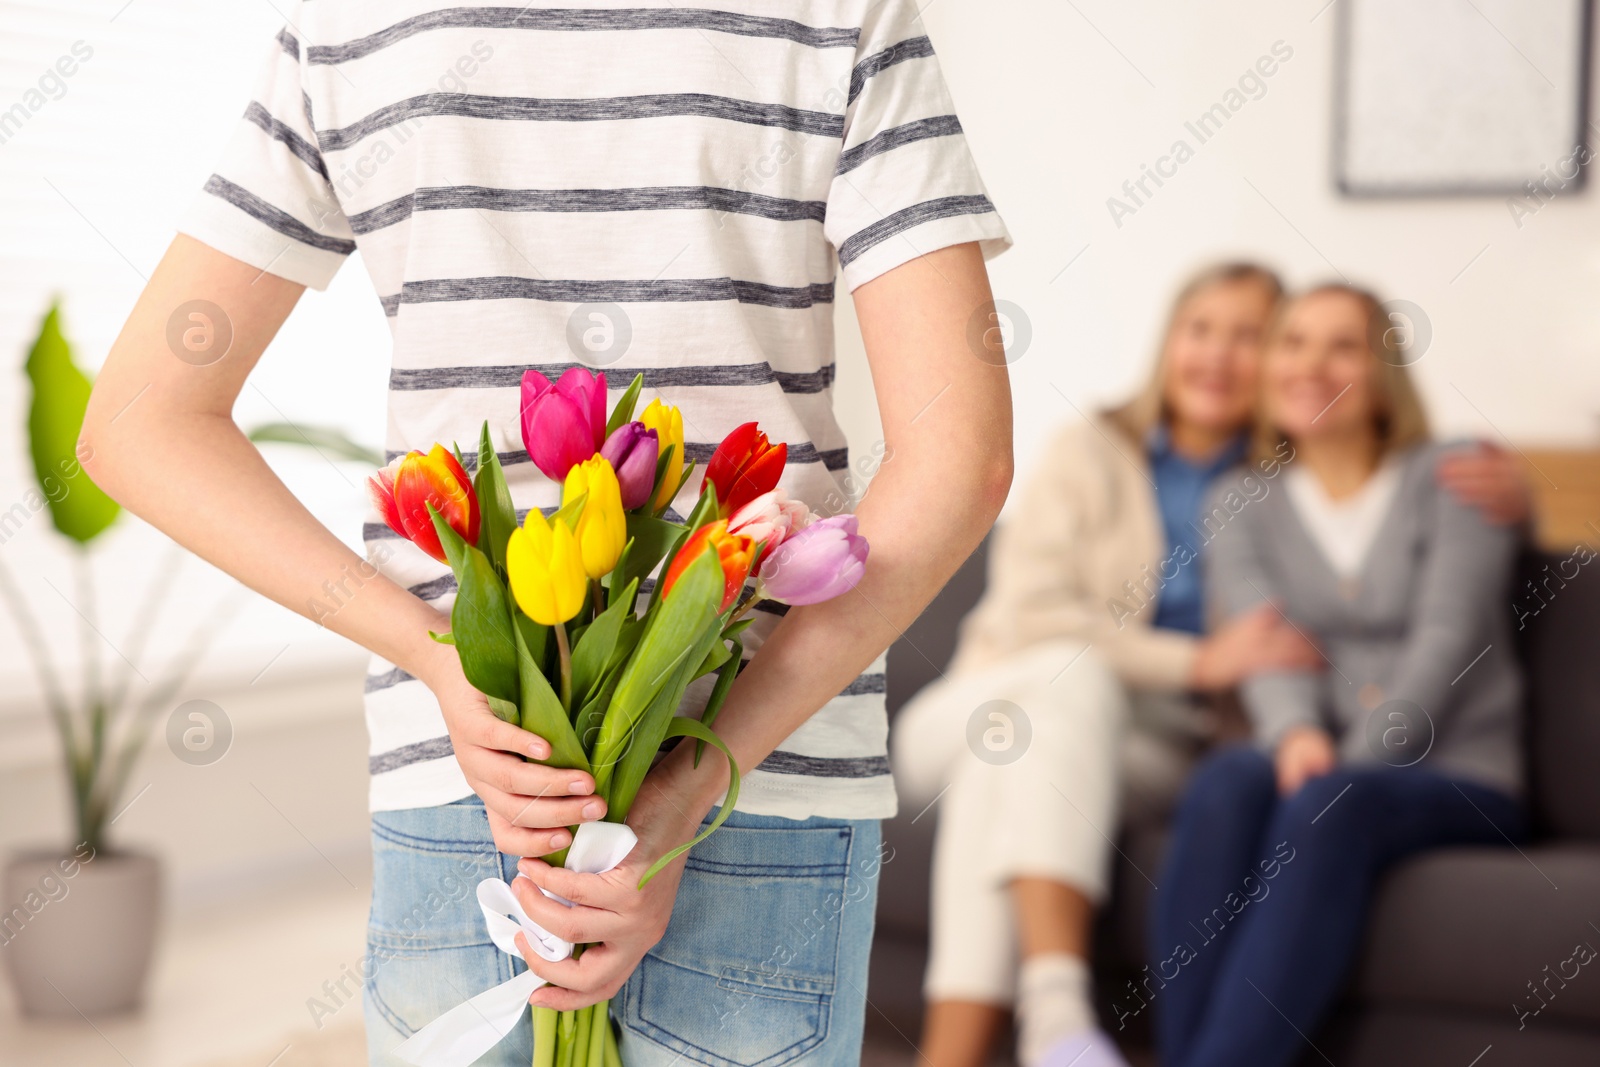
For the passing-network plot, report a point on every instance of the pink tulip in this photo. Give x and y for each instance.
(771, 517)
(565, 423)
(817, 563)
(632, 451)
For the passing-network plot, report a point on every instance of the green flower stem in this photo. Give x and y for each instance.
(567, 1031)
(599, 1034)
(580, 1044)
(564, 656)
(613, 1055)
(544, 1037)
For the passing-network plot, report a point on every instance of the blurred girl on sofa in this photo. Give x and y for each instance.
(1408, 742)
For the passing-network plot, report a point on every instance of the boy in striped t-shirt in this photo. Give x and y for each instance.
(655, 189)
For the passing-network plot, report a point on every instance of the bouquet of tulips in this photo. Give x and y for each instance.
(557, 620)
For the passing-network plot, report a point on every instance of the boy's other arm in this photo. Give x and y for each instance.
(946, 412)
(159, 436)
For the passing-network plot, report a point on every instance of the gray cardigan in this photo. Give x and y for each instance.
(1425, 621)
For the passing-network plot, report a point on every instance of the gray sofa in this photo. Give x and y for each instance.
(1455, 937)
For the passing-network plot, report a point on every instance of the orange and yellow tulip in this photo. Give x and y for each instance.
(403, 490)
(735, 553)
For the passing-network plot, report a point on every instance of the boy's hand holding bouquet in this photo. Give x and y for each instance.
(559, 625)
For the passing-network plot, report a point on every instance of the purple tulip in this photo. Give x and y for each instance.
(817, 563)
(632, 450)
(565, 423)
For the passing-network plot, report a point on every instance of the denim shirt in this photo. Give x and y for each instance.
(1182, 486)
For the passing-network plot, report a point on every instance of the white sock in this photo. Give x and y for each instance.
(1052, 1004)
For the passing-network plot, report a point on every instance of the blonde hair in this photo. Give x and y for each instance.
(1398, 417)
(1147, 408)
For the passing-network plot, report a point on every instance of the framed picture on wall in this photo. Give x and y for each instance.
(1461, 97)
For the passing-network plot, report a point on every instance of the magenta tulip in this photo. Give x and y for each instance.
(633, 450)
(565, 423)
(817, 563)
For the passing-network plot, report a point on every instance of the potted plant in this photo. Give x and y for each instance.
(78, 922)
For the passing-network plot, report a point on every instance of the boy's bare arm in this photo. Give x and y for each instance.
(946, 413)
(159, 436)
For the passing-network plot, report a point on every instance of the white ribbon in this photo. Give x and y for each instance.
(467, 1031)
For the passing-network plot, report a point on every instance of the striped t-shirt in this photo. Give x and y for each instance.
(652, 188)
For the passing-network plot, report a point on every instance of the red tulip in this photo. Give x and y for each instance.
(403, 490)
(734, 551)
(565, 423)
(744, 466)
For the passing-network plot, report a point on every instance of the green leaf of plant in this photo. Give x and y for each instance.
(675, 625)
(649, 539)
(592, 651)
(543, 714)
(663, 462)
(625, 772)
(443, 639)
(505, 710)
(623, 412)
(499, 515)
(534, 635)
(325, 440)
(715, 658)
(481, 618)
(681, 727)
(78, 508)
(719, 692)
(569, 512)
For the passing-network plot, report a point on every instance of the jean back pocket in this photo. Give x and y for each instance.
(745, 976)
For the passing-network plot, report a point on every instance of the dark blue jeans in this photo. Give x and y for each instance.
(1263, 898)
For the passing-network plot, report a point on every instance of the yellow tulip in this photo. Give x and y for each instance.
(667, 422)
(546, 570)
(601, 529)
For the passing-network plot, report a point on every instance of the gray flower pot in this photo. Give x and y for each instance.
(77, 934)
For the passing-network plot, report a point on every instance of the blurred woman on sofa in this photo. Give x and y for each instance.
(1075, 701)
(1409, 741)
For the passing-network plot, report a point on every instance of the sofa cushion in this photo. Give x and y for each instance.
(1559, 618)
(1470, 928)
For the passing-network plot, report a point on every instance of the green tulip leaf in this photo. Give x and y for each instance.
(681, 727)
(622, 414)
(543, 714)
(78, 507)
(674, 626)
(638, 753)
(481, 618)
(325, 440)
(714, 660)
(649, 538)
(570, 511)
(663, 462)
(719, 692)
(592, 651)
(504, 710)
(499, 516)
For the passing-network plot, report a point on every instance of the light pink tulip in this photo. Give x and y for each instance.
(818, 563)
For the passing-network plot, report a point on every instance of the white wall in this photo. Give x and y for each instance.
(1059, 119)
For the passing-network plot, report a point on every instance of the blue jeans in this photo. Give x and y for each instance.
(1264, 898)
(764, 962)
